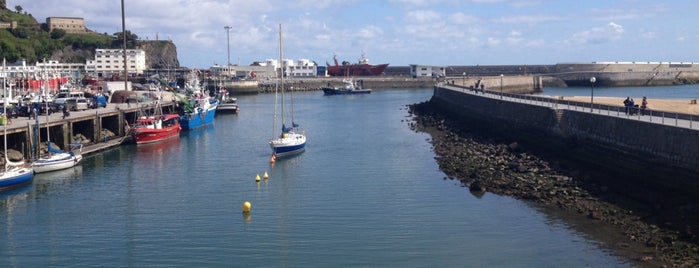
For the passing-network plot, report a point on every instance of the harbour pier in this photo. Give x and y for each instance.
(97, 129)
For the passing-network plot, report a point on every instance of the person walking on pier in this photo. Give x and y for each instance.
(65, 111)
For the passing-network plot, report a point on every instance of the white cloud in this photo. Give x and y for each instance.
(514, 38)
(462, 18)
(528, 19)
(597, 35)
(422, 16)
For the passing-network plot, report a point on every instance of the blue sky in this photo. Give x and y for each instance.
(401, 32)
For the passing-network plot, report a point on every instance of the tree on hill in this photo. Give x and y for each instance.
(19, 8)
(131, 40)
(58, 33)
(3, 4)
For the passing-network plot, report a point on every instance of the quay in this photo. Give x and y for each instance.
(670, 138)
(97, 129)
(648, 157)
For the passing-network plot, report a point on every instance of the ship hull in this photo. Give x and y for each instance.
(357, 70)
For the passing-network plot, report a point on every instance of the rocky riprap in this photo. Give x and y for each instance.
(485, 165)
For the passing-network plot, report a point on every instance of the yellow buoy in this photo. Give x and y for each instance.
(266, 176)
(257, 178)
(246, 207)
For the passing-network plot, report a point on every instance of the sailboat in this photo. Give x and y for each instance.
(14, 173)
(56, 159)
(290, 141)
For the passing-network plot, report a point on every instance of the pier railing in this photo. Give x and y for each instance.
(652, 116)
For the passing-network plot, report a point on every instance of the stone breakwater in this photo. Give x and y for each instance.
(506, 168)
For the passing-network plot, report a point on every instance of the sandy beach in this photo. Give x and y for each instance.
(667, 105)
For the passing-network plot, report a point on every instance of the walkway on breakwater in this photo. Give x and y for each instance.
(683, 120)
(670, 139)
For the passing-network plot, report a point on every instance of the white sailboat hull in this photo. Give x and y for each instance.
(56, 162)
(288, 144)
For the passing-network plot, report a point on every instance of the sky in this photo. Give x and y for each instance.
(399, 32)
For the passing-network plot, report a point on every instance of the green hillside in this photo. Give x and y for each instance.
(31, 40)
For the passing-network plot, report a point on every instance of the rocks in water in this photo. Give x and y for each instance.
(13, 155)
(508, 169)
(80, 138)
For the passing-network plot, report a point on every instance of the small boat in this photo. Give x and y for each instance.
(57, 160)
(227, 104)
(14, 173)
(150, 129)
(200, 112)
(289, 142)
(348, 87)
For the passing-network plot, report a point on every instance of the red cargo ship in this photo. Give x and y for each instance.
(363, 68)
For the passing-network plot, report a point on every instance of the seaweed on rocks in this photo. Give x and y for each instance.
(498, 166)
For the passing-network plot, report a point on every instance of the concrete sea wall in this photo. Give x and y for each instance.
(594, 138)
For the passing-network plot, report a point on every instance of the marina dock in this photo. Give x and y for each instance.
(97, 129)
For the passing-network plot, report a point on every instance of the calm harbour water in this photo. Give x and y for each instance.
(366, 193)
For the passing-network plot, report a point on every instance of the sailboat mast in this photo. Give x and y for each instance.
(43, 97)
(4, 111)
(281, 70)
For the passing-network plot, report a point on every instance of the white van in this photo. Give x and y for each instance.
(81, 104)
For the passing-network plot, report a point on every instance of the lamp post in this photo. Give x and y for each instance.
(228, 43)
(592, 91)
(501, 75)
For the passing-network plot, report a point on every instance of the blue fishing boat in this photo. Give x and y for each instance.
(349, 87)
(200, 109)
(201, 113)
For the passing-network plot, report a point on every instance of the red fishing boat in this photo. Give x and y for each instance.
(150, 129)
(362, 68)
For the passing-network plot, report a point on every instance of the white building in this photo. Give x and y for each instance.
(302, 68)
(111, 61)
(427, 71)
(299, 68)
(64, 69)
(21, 69)
(268, 69)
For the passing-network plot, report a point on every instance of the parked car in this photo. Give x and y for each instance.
(46, 107)
(71, 104)
(81, 104)
(21, 111)
(12, 111)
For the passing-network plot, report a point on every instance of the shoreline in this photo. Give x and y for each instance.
(569, 192)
